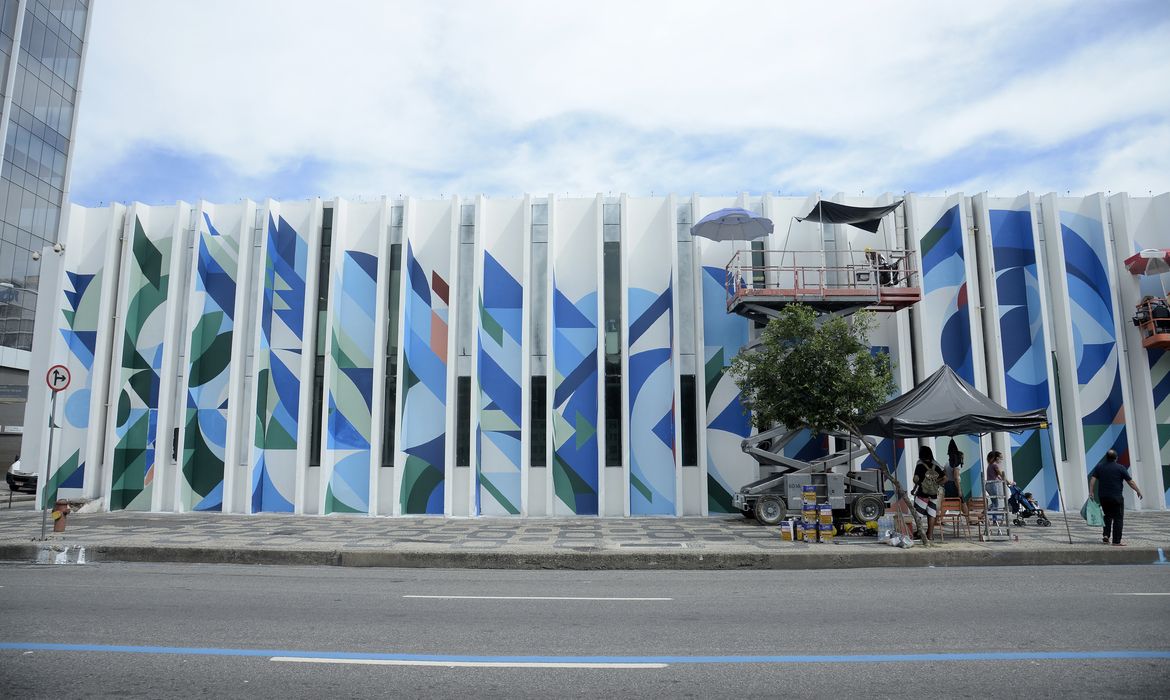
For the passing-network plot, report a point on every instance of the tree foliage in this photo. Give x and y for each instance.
(817, 373)
(806, 373)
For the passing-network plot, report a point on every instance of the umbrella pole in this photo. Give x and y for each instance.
(1056, 471)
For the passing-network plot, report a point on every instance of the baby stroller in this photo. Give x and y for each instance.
(1023, 506)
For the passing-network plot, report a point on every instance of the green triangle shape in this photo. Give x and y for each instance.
(489, 324)
(277, 438)
(584, 429)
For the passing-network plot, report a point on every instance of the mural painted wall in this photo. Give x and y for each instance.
(1098, 374)
(1024, 351)
(146, 282)
(727, 424)
(426, 337)
(285, 310)
(358, 230)
(211, 334)
(82, 329)
(500, 353)
(945, 315)
(142, 287)
(1148, 226)
(574, 260)
(650, 337)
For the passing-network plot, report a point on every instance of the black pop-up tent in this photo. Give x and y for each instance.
(867, 218)
(944, 404)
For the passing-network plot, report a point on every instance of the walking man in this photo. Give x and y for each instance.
(1105, 487)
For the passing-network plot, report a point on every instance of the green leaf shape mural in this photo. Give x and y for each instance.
(202, 468)
(136, 449)
(66, 470)
(718, 499)
(335, 505)
(419, 479)
(567, 484)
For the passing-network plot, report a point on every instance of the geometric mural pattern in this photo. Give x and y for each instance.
(136, 424)
(1094, 337)
(945, 300)
(1160, 379)
(81, 314)
(350, 365)
(424, 381)
(1025, 361)
(278, 363)
(574, 416)
(500, 354)
(1159, 363)
(116, 341)
(651, 388)
(728, 468)
(209, 369)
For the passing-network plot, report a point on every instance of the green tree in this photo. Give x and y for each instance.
(819, 373)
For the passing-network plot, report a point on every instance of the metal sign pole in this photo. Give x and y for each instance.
(48, 464)
(1047, 427)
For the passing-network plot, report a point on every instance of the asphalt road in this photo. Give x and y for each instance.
(153, 630)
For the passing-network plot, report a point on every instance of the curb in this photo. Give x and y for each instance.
(598, 560)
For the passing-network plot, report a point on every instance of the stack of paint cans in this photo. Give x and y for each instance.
(825, 522)
(808, 511)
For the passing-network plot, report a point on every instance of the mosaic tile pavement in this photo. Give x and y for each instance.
(20, 524)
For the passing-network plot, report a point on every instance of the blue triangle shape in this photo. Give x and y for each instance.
(665, 429)
(732, 420)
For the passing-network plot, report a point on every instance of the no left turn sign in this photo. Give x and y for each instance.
(58, 378)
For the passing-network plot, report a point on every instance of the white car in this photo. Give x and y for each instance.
(20, 480)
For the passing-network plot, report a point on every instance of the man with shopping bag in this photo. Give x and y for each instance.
(1106, 488)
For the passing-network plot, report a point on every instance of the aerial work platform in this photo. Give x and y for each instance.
(760, 283)
(1153, 319)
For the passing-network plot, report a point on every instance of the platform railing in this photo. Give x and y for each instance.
(864, 273)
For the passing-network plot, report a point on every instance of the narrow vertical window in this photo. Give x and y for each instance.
(390, 397)
(466, 286)
(689, 418)
(537, 284)
(612, 280)
(322, 334)
(758, 273)
(463, 422)
(538, 422)
(538, 417)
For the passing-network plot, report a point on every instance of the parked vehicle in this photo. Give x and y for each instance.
(858, 497)
(21, 480)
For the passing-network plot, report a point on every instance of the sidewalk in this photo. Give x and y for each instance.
(724, 542)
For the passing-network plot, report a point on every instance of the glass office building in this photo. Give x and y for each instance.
(42, 49)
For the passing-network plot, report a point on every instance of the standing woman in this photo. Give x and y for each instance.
(928, 479)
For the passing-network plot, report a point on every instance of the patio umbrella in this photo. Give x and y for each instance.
(732, 225)
(1151, 261)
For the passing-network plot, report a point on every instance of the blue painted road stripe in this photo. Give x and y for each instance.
(778, 659)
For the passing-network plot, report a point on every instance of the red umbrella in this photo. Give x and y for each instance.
(1151, 261)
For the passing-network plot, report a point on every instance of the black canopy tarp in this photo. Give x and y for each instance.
(943, 404)
(868, 218)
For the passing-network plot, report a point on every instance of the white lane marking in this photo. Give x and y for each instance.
(465, 664)
(1141, 594)
(520, 597)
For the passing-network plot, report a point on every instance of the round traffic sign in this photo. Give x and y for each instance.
(58, 378)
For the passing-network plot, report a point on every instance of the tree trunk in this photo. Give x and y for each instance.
(899, 492)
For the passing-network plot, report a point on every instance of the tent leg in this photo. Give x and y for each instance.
(1059, 490)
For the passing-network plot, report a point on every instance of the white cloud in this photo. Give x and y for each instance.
(507, 97)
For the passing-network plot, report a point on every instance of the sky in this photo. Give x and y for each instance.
(220, 100)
